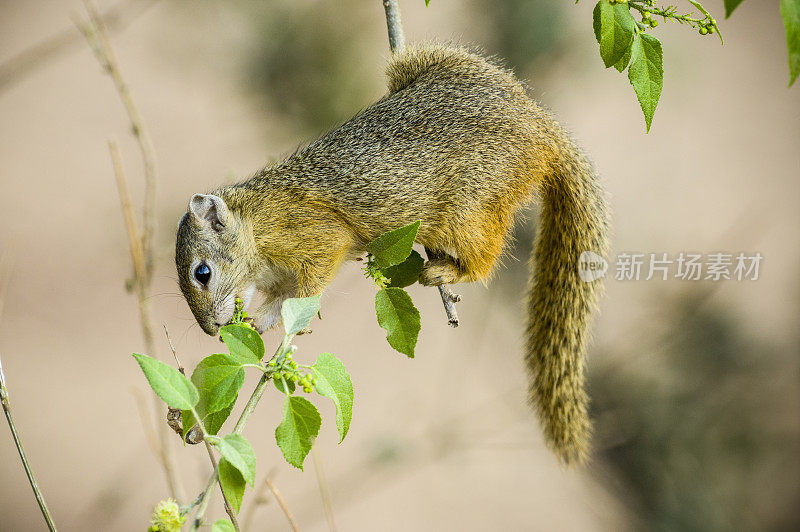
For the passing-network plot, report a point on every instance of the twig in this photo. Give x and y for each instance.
(225, 501)
(172, 348)
(31, 478)
(260, 498)
(134, 239)
(249, 408)
(97, 36)
(323, 489)
(282, 503)
(140, 242)
(449, 299)
(31, 59)
(397, 42)
(395, 26)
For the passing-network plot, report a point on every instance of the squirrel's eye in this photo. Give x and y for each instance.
(203, 274)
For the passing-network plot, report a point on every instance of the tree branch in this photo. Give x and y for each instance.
(394, 24)
(21, 450)
(397, 42)
(140, 242)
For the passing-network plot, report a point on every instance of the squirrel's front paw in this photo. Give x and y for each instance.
(438, 272)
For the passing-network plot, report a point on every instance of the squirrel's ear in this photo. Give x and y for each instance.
(211, 209)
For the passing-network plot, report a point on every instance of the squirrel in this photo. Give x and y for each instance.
(456, 143)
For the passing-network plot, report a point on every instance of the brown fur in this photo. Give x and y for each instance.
(458, 144)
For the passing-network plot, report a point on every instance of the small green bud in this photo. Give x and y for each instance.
(271, 363)
(313, 382)
(710, 30)
(307, 389)
(703, 30)
(653, 23)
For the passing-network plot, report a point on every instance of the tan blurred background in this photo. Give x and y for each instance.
(695, 385)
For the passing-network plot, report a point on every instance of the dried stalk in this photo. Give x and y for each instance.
(140, 242)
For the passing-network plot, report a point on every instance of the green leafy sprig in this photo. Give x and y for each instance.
(392, 264)
(207, 399)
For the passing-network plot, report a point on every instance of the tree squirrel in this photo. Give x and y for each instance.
(456, 143)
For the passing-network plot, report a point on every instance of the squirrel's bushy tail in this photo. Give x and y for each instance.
(573, 219)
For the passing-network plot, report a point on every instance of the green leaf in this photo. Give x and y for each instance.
(238, 451)
(297, 313)
(232, 483)
(614, 29)
(222, 525)
(790, 11)
(334, 382)
(219, 378)
(398, 315)
(188, 421)
(623, 63)
(406, 273)
(214, 421)
(730, 5)
(169, 384)
(245, 344)
(298, 429)
(393, 247)
(279, 385)
(646, 74)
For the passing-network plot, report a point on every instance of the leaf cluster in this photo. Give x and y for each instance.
(393, 264)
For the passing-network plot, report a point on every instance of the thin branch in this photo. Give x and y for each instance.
(97, 36)
(449, 299)
(397, 42)
(172, 348)
(394, 24)
(140, 242)
(249, 408)
(134, 239)
(225, 501)
(42, 53)
(323, 489)
(282, 503)
(28, 471)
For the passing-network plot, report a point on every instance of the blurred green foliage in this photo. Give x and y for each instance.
(701, 427)
(318, 62)
(311, 60)
(524, 31)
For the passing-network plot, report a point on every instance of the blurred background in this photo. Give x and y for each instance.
(695, 386)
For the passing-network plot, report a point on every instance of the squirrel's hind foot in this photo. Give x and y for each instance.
(440, 271)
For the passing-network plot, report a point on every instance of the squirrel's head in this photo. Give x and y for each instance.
(213, 255)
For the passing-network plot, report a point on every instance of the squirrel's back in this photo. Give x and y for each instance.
(455, 128)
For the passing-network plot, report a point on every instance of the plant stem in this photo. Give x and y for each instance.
(140, 242)
(394, 24)
(282, 504)
(28, 471)
(249, 408)
(215, 466)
